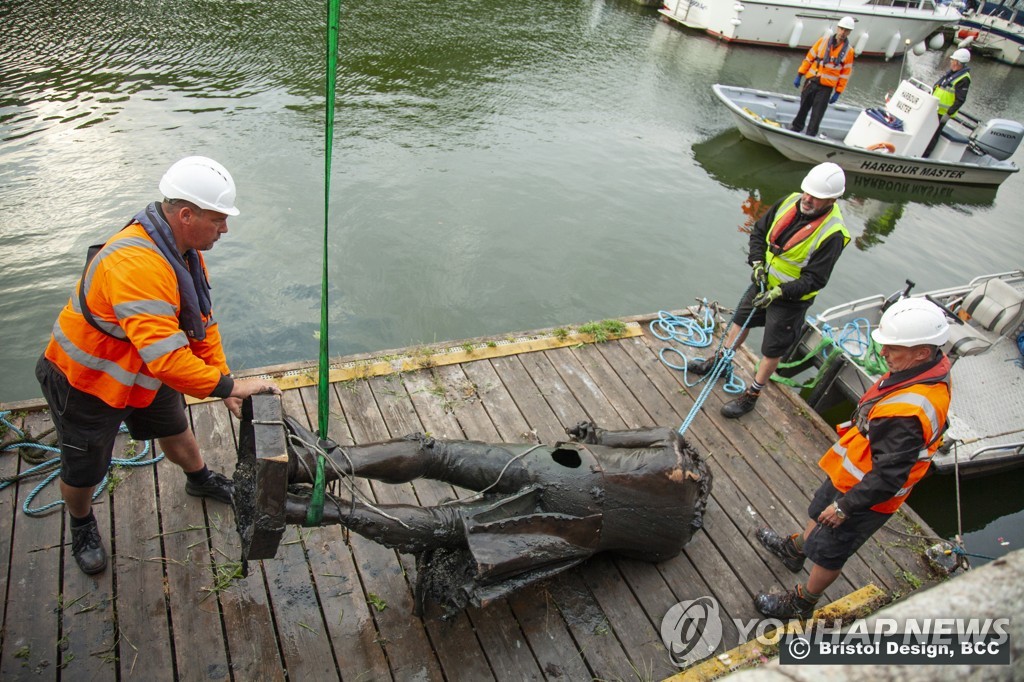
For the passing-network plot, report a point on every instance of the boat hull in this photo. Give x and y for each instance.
(881, 31)
(757, 114)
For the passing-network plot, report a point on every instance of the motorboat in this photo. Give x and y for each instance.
(887, 141)
(995, 30)
(986, 418)
(885, 28)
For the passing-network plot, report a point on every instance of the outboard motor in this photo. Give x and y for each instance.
(998, 137)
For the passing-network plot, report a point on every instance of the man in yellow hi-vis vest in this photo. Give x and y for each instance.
(881, 453)
(792, 251)
(951, 90)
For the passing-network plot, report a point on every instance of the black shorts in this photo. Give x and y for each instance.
(86, 426)
(782, 322)
(830, 547)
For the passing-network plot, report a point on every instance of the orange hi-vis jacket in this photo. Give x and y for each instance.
(132, 291)
(833, 67)
(925, 397)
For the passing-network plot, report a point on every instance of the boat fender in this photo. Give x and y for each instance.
(894, 42)
(862, 42)
(919, 48)
(884, 147)
(937, 41)
(794, 36)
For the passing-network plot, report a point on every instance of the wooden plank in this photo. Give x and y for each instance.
(406, 641)
(88, 629)
(662, 397)
(187, 550)
(639, 636)
(651, 588)
(465, 645)
(32, 625)
(544, 630)
(9, 510)
(775, 466)
(138, 563)
(347, 613)
(301, 629)
(244, 603)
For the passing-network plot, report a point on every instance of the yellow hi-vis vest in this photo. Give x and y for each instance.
(924, 397)
(947, 93)
(785, 262)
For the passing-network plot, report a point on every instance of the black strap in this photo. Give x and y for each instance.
(86, 313)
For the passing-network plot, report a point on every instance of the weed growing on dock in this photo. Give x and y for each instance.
(376, 602)
(561, 333)
(468, 348)
(603, 330)
(911, 579)
(492, 344)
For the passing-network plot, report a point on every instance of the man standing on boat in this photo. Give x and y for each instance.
(827, 66)
(880, 455)
(137, 333)
(792, 251)
(951, 91)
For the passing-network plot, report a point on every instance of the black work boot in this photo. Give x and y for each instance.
(735, 409)
(217, 487)
(87, 548)
(782, 547)
(785, 605)
(702, 366)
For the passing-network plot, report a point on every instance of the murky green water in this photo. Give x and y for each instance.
(498, 167)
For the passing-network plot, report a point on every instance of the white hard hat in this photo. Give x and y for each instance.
(963, 56)
(203, 181)
(912, 322)
(825, 181)
(847, 23)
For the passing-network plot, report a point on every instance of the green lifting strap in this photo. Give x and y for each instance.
(323, 385)
(315, 512)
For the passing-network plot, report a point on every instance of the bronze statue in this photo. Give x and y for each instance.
(539, 509)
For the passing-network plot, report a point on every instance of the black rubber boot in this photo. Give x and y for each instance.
(87, 548)
(217, 487)
(785, 605)
(702, 366)
(734, 409)
(782, 547)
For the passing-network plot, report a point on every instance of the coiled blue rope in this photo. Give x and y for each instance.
(691, 332)
(54, 463)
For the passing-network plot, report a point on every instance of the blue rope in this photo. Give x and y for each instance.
(136, 461)
(699, 334)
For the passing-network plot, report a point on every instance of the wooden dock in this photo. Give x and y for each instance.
(323, 609)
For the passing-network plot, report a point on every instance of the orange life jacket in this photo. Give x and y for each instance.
(926, 397)
(833, 67)
(132, 292)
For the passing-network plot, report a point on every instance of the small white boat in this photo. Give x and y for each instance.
(996, 30)
(885, 141)
(986, 418)
(884, 27)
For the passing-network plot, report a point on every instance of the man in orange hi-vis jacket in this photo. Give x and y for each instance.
(885, 449)
(827, 66)
(137, 333)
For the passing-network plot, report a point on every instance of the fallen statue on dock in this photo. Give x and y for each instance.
(539, 509)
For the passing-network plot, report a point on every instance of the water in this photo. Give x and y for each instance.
(497, 167)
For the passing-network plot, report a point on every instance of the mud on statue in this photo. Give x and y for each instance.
(539, 509)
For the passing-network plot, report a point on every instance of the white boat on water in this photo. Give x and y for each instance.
(885, 141)
(986, 418)
(884, 27)
(996, 30)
